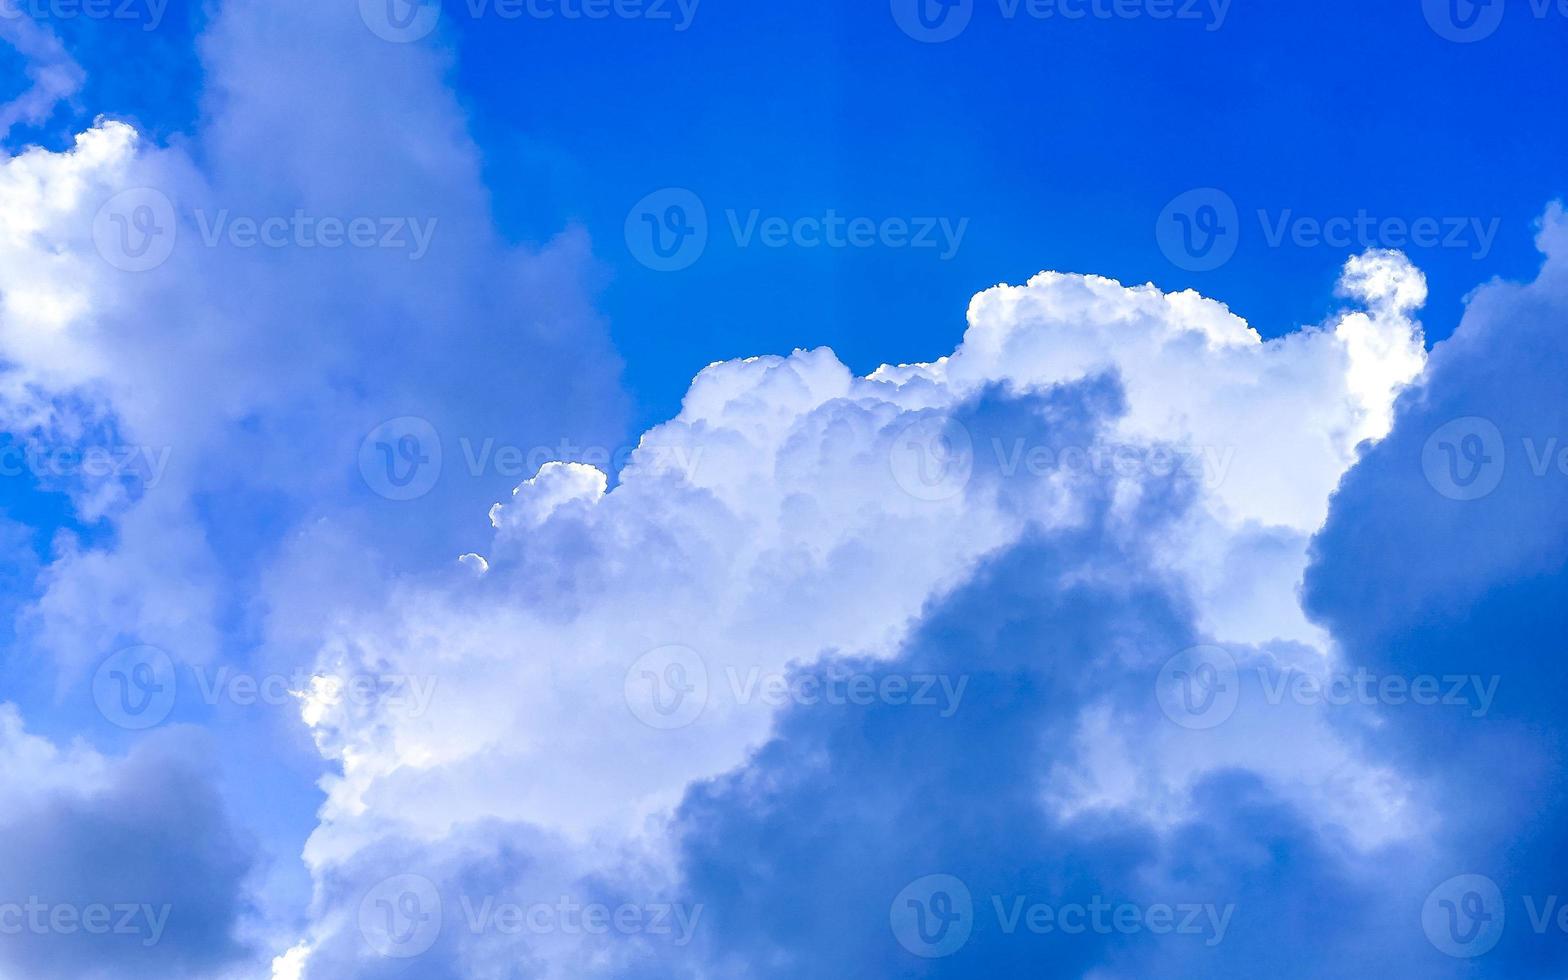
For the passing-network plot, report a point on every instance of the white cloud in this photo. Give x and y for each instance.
(796, 533)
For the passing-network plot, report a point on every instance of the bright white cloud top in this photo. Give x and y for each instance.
(1028, 537)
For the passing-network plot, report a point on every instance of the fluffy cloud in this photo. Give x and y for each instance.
(826, 636)
(231, 384)
(1030, 528)
(52, 74)
(249, 346)
(116, 867)
(1443, 556)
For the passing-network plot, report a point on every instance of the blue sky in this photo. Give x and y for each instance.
(1232, 600)
(1060, 141)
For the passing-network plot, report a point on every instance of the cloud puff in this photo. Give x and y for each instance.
(827, 636)
(1443, 555)
(117, 867)
(196, 303)
(52, 74)
(239, 381)
(1097, 478)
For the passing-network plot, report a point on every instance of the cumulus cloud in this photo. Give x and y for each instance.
(1443, 556)
(826, 637)
(116, 867)
(138, 313)
(231, 385)
(1030, 528)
